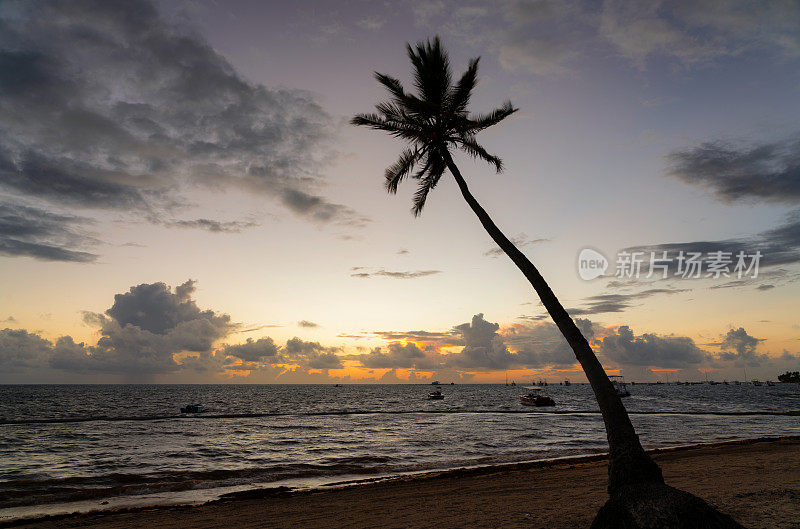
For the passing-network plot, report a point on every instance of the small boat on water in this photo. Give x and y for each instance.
(567, 383)
(770, 383)
(756, 383)
(193, 408)
(435, 383)
(618, 381)
(435, 395)
(535, 397)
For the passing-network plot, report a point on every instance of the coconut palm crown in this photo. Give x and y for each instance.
(433, 121)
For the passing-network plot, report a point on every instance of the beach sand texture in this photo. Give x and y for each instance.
(756, 482)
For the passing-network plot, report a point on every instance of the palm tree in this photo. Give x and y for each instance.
(434, 122)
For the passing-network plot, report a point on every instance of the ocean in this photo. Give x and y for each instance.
(67, 448)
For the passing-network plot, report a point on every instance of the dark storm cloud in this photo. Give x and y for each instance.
(107, 105)
(651, 350)
(767, 172)
(393, 274)
(33, 232)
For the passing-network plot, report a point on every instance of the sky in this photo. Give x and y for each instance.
(183, 200)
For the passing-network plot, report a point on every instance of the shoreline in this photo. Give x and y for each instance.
(421, 480)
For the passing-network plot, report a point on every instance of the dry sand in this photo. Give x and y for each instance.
(756, 482)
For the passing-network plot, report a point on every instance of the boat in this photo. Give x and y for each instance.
(535, 397)
(435, 395)
(770, 383)
(756, 383)
(618, 381)
(513, 383)
(435, 383)
(193, 408)
(567, 383)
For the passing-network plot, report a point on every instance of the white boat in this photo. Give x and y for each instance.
(618, 381)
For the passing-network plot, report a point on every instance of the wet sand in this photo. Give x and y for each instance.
(756, 482)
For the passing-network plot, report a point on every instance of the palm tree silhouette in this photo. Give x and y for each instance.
(435, 121)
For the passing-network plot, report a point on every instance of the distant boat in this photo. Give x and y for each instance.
(618, 381)
(193, 408)
(756, 383)
(567, 383)
(435, 395)
(513, 383)
(770, 383)
(535, 397)
(435, 383)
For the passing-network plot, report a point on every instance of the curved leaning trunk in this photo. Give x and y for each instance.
(628, 462)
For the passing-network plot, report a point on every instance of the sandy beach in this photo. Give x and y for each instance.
(757, 482)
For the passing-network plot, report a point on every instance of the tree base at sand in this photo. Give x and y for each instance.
(659, 506)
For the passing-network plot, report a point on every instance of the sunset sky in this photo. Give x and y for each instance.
(182, 198)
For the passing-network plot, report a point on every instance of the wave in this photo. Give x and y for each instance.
(206, 416)
(32, 491)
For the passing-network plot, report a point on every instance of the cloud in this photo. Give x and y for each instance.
(696, 33)
(107, 106)
(483, 346)
(307, 324)
(548, 37)
(778, 246)
(26, 231)
(768, 172)
(254, 350)
(21, 350)
(651, 350)
(397, 355)
(740, 347)
(602, 303)
(214, 226)
(312, 355)
(393, 274)
(142, 331)
(519, 241)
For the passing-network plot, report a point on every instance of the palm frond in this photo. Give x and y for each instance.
(399, 170)
(398, 128)
(462, 92)
(435, 168)
(484, 121)
(469, 145)
(432, 119)
(432, 76)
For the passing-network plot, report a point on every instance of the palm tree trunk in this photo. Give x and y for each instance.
(628, 462)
